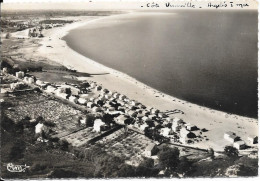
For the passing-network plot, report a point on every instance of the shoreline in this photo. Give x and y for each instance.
(201, 116)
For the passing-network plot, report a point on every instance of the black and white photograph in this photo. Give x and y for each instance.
(127, 89)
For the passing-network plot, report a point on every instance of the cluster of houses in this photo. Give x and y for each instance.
(125, 111)
(237, 142)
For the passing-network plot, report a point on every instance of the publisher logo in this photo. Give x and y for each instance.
(16, 168)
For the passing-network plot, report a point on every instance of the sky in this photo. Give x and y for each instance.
(115, 4)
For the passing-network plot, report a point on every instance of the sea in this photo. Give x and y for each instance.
(207, 57)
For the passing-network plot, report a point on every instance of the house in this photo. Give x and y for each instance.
(133, 103)
(107, 96)
(121, 119)
(83, 121)
(90, 104)
(26, 79)
(50, 89)
(105, 91)
(39, 82)
(111, 109)
(231, 137)
(19, 74)
(82, 100)
(177, 121)
(93, 85)
(145, 118)
(153, 116)
(252, 139)
(122, 97)
(116, 95)
(30, 80)
(5, 70)
(73, 99)
(98, 88)
(62, 95)
(240, 145)
(154, 111)
(39, 128)
(162, 115)
(151, 150)
(165, 132)
(191, 127)
(143, 126)
(176, 128)
(132, 113)
(96, 109)
(98, 123)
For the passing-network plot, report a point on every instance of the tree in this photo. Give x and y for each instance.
(231, 151)
(184, 166)
(211, 153)
(169, 158)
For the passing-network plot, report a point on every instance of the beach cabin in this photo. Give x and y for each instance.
(240, 145)
(252, 139)
(143, 126)
(151, 150)
(19, 74)
(132, 113)
(98, 123)
(231, 137)
(116, 95)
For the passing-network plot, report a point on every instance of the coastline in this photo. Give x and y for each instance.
(217, 122)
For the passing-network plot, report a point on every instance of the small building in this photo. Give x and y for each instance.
(38, 82)
(83, 122)
(240, 145)
(191, 127)
(122, 97)
(231, 137)
(5, 70)
(62, 95)
(116, 95)
(132, 113)
(121, 119)
(143, 126)
(153, 116)
(108, 96)
(19, 74)
(176, 128)
(162, 115)
(93, 85)
(39, 128)
(177, 121)
(165, 132)
(90, 104)
(50, 89)
(252, 139)
(96, 109)
(73, 99)
(30, 80)
(151, 150)
(133, 103)
(98, 123)
(98, 88)
(82, 100)
(154, 111)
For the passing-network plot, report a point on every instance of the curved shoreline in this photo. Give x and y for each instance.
(123, 83)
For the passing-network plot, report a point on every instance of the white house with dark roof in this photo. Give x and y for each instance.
(73, 99)
(151, 150)
(231, 137)
(252, 139)
(240, 145)
(98, 123)
(82, 100)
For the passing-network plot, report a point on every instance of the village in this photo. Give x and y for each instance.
(87, 113)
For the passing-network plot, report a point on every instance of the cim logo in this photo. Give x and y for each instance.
(16, 168)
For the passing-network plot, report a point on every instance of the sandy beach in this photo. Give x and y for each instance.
(216, 122)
